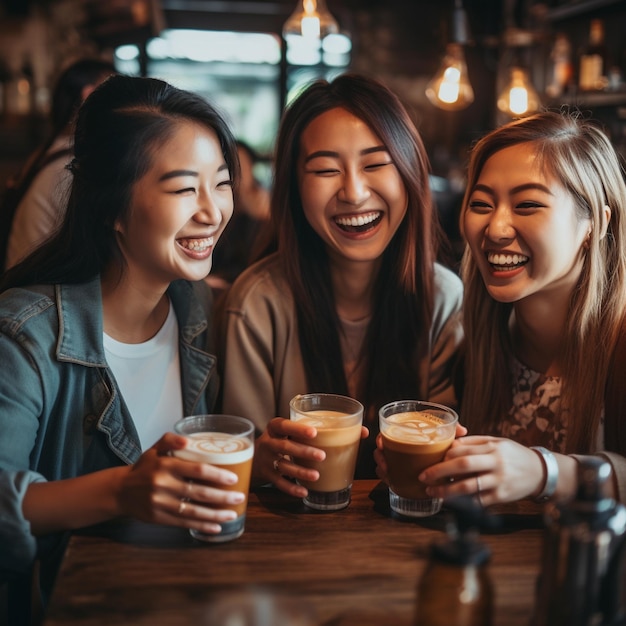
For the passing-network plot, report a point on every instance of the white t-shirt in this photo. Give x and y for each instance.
(148, 375)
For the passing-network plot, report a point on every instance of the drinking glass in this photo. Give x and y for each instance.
(337, 420)
(226, 441)
(415, 435)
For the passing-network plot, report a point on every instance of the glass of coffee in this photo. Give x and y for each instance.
(415, 435)
(226, 441)
(337, 420)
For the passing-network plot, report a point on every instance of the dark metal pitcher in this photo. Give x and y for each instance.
(583, 580)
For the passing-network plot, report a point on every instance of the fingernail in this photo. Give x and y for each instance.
(231, 478)
(236, 497)
(422, 477)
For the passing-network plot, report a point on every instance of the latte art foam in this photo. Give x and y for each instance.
(216, 442)
(217, 448)
(416, 427)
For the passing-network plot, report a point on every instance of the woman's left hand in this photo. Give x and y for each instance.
(494, 469)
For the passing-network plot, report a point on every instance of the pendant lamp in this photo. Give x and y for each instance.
(311, 19)
(450, 89)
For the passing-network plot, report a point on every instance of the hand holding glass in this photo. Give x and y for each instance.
(338, 421)
(225, 441)
(415, 436)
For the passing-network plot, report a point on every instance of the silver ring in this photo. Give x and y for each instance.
(181, 507)
(276, 462)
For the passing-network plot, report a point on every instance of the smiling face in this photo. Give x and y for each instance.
(352, 193)
(523, 228)
(179, 209)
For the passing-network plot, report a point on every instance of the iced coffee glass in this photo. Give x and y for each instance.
(337, 420)
(226, 441)
(415, 435)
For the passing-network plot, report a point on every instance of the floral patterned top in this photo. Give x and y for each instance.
(534, 418)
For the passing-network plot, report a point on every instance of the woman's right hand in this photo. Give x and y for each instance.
(164, 489)
(282, 442)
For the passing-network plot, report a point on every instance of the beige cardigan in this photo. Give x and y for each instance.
(260, 353)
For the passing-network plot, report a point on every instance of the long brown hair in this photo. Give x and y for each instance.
(403, 296)
(580, 156)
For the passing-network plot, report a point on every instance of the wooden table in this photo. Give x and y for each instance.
(353, 567)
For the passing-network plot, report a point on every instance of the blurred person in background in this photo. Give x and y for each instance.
(251, 214)
(34, 202)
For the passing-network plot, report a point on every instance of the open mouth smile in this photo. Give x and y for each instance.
(358, 223)
(506, 262)
(196, 245)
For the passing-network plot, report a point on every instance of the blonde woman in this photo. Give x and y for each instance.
(545, 296)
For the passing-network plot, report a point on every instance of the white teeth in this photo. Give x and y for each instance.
(506, 259)
(359, 220)
(197, 245)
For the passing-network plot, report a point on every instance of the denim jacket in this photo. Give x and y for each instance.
(61, 411)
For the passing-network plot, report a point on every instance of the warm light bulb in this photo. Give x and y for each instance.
(518, 100)
(450, 85)
(519, 97)
(310, 27)
(310, 19)
(450, 88)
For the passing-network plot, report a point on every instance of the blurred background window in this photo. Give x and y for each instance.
(239, 72)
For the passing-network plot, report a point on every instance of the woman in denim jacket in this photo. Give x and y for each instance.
(103, 338)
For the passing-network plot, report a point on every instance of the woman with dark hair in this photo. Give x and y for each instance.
(353, 301)
(105, 329)
(544, 217)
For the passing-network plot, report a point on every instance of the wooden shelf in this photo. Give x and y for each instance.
(574, 9)
(591, 99)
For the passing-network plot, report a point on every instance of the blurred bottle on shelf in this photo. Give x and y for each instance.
(617, 74)
(561, 70)
(615, 78)
(592, 74)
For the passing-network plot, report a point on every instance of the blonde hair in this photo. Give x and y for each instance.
(580, 156)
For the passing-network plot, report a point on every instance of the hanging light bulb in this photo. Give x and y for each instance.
(450, 88)
(311, 19)
(519, 97)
